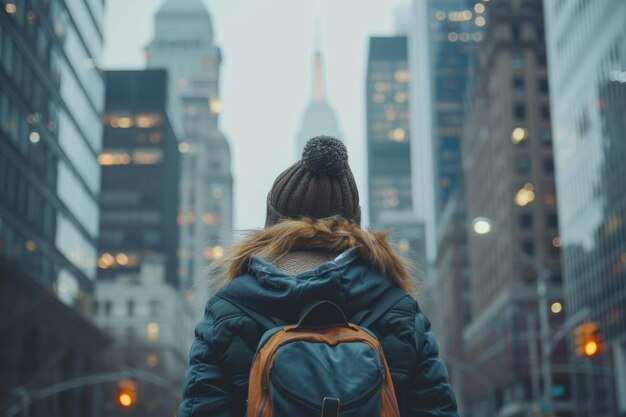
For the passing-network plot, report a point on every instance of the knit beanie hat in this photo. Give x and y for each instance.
(320, 185)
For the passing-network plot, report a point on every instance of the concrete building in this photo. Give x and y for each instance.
(140, 305)
(390, 194)
(509, 179)
(587, 70)
(140, 172)
(51, 100)
(319, 117)
(206, 183)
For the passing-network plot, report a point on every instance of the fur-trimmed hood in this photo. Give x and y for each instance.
(332, 235)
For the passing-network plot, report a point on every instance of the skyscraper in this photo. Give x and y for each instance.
(51, 100)
(319, 117)
(509, 179)
(388, 145)
(140, 171)
(206, 202)
(440, 63)
(587, 71)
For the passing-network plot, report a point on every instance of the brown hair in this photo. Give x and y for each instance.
(334, 234)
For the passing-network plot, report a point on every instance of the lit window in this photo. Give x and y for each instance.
(440, 15)
(213, 253)
(462, 16)
(390, 115)
(477, 37)
(147, 120)
(479, 8)
(556, 242)
(404, 245)
(215, 105)
(218, 192)
(380, 87)
(210, 219)
(379, 98)
(121, 259)
(480, 21)
(391, 197)
(464, 37)
(453, 36)
(121, 122)
(402, 76)
(59, 29)
(519, 135)
(113, 158)
(152, 360)
(153, 332)
(183, 147)
(106, 260)
(147, 156)
(525, 195)
(10, 8)
(397, 135)
(30, 246)
(34, 137)
(401, 97)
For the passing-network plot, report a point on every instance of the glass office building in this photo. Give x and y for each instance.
(587, 55)
(51, 99)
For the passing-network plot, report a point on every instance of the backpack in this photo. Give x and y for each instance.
(324, 365)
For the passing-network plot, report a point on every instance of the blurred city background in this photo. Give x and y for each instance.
(138, 138)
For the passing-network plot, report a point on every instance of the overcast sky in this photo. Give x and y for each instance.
(266, 77)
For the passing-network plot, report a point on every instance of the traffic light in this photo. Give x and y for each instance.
(588, 339)
(126, 392)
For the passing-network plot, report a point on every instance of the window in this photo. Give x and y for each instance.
(522, 165)
(543, 85)
(552, 221)
(541, 59)
(528, 248)
(515, 32)
(548, 165)
(526, 221)
(546, 137)
(519, 112)
(517, 60)
(518, 86)
(545, 112)
(155, 308)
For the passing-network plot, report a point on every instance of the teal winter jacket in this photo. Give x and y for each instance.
(216, 382)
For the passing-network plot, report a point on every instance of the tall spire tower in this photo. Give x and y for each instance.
(319, 117)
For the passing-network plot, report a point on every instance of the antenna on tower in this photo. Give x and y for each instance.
(318, 26)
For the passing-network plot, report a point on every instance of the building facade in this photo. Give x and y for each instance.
(140, 171)
(51, 100)
(206, 183)
(450, 30)
(588, 94)
(390, 192)
(509, 180)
